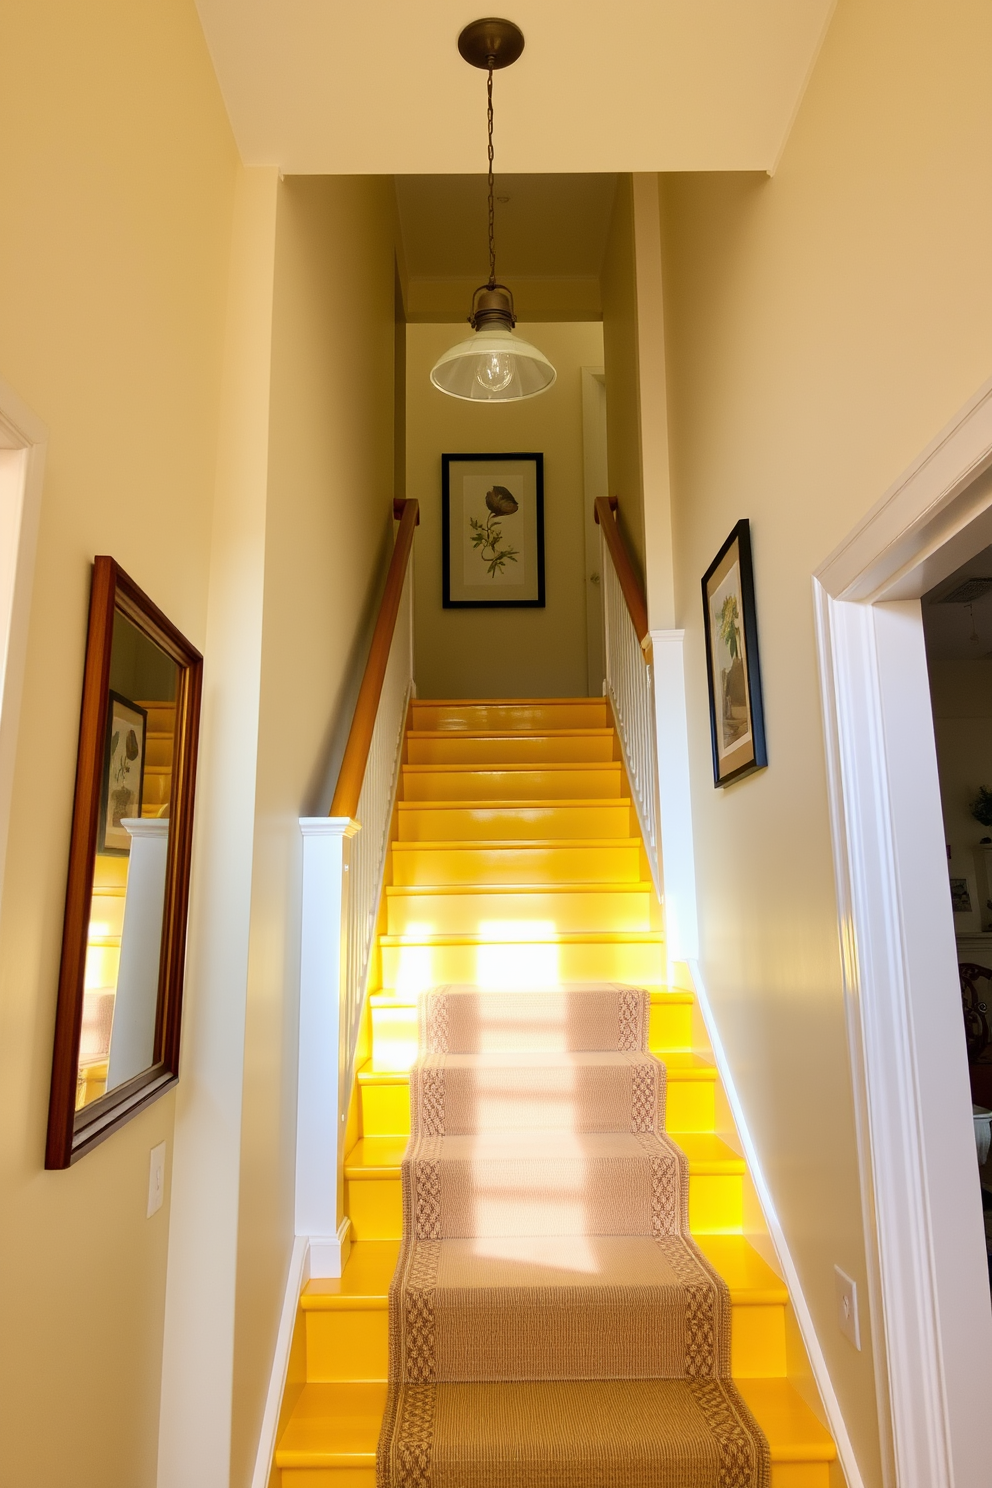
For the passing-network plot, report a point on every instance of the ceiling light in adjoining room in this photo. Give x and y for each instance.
(494, 365)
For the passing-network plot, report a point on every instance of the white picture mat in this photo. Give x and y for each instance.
(518, 578)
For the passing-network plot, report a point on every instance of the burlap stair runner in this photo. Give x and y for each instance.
(552, 1323)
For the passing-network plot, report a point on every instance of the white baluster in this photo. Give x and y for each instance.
(630, 687)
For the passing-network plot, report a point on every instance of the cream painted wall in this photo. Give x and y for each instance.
(822, 326)
(116, 187)
(620, 342)
(503, 653)
(328, 535)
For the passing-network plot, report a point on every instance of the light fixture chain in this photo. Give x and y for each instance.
(492, 208)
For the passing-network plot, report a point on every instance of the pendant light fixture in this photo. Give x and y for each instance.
(493, 365)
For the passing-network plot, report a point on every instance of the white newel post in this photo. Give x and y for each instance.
(675, 807)
(319, 1128)
(132, 1041)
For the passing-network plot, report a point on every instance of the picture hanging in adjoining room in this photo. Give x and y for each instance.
(737, 725)
(123, 773)
(492, 531)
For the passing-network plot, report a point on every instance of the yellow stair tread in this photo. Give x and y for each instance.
(563, 937)
(793, 1431)
(376, 1157)
(491, 844)
(509, 702)
(380, 1157)
(494, 803)
(364, 1285)
(544, 733)
(334, 1426)
(660, 997)
(400, 891)
(709, 1154)
(338, 1425)
(750, 1280)
(680, 1065)
(514, 767)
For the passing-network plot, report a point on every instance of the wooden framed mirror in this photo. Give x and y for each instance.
(124, 935)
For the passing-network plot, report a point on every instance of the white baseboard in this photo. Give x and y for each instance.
(328, 1253)
(296, 1280)
(818, 1364)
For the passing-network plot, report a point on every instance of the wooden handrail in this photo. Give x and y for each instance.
(356, 751)
(630, 584)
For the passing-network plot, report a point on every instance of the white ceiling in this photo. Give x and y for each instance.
(378, 87)
(960, 632)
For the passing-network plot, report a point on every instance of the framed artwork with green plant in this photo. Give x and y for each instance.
(492, 531)
(737, 725)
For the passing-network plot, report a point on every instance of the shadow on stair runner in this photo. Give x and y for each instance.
(552, 1322)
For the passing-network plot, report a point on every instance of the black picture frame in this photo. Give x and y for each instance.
(737, 719)
(531, 534)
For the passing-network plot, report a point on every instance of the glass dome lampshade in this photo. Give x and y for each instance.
(494, 365)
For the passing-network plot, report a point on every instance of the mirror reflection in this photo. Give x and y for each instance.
(124, 943)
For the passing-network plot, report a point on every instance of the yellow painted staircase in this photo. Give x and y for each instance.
(517, 858)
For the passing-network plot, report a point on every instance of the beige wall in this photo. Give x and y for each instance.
(328, 535)
(503, 653)
(116, 184)
(620, 356)
(822, 326)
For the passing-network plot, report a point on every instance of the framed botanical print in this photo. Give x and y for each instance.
(492, 531)
(123, 773)
(737, 725)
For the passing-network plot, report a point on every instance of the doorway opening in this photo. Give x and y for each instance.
(957, 625)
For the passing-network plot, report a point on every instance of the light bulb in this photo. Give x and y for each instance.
(495, 371)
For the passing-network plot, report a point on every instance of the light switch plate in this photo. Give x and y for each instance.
(847, 1306)
(156, 1179)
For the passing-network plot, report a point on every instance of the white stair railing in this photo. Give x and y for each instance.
(630, 680)
(344, 858)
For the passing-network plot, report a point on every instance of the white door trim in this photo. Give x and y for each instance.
(23, 447)
(910, 532)
(932, 1320)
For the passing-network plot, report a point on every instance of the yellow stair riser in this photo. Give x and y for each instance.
(590, 748)
(593, 862)
(345, 1345)
(430, 783)
(463, 913)
(444, 823)
(797, 1475)
(414, 968)
(394, 1032)
(503, 716)
(757, 1342)
(784, 1475)
(691, 1107)
(355, 1345)
(374, 1205)
(335, 1477)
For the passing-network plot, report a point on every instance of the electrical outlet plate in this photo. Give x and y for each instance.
(156, 1179)
(847, 1307)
